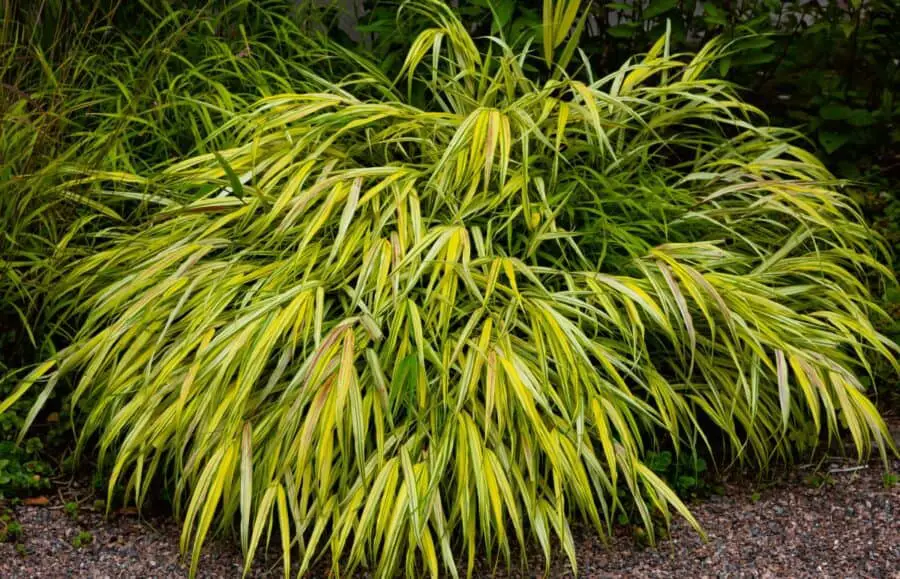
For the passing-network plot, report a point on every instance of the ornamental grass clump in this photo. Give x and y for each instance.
(404, 323)
(80, 99)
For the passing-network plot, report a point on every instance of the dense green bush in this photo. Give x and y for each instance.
(400, 321)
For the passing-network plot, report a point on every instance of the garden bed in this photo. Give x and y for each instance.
(833, 518)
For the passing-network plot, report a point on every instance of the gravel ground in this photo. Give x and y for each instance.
(847, 527)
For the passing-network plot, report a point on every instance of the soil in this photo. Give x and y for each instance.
(832, 519)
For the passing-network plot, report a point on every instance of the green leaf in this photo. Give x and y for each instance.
(403, 386)
(832, 141)
(686, 483)
(237, 188)
(724, 66)
(657, 8)
(622, 30)
(757, 42)
(848, 28)
(835, 112)
(861, 118)
(659, 462)
(503, 11)
(714, 15)
(755, 58)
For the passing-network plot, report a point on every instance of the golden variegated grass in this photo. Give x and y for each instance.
(399, 332)
(113, 104)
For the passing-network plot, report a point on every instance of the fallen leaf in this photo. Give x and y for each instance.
(36, 501)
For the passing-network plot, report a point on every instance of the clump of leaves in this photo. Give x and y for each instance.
(25, 467)
(71, 509)
(82, 539)
(684, 473)
(891, 480)
(819, 479)
(10, 530)
(400, 324)
(22, 471)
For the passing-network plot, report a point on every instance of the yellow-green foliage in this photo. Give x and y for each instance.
(403, 330)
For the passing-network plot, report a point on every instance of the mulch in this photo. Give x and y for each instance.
(832, 519)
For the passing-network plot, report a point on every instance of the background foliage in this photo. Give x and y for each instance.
(830, 68)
